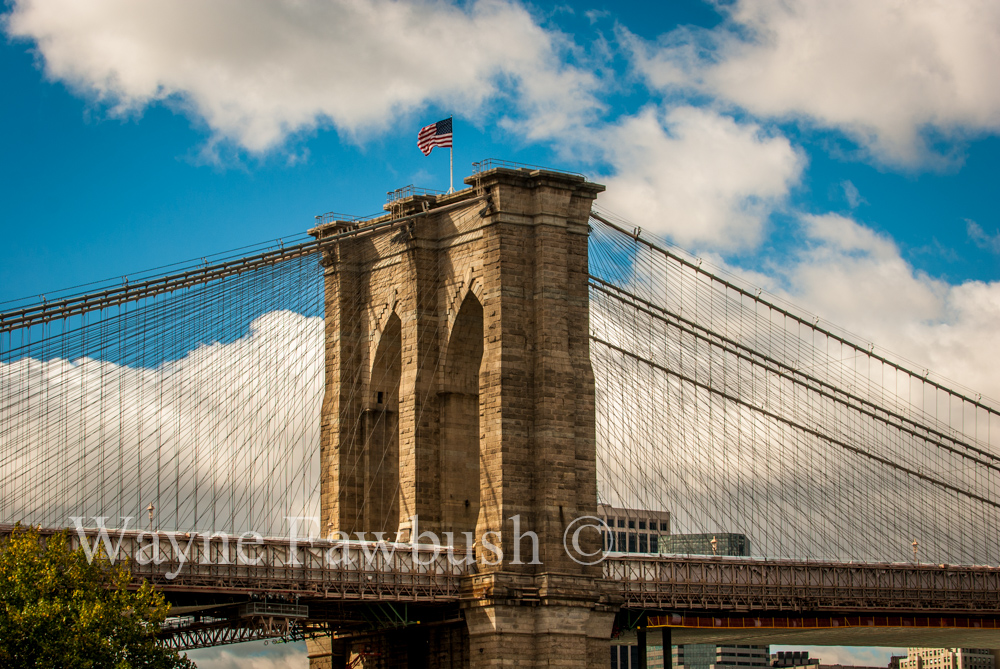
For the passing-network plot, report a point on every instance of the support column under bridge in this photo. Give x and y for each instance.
(459, 404)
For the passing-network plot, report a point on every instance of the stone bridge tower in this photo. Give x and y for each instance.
(459, 391)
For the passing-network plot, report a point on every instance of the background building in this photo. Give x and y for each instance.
(627, 657)
(947, 658)
(709, 656)
(799, 659)
(793, 659)
(634, 530)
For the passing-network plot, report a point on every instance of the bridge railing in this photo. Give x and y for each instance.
(347, 570)
(409, 191)
(364, 571)
(724, 583)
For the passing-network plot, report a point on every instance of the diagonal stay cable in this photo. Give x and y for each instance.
(798, 426)
(769, 363)
(795, 317)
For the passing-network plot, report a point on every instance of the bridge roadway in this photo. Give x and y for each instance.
(203, 574)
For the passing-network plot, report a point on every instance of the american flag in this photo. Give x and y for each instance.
(435, 134)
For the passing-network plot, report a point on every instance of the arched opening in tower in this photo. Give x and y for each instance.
(460, 483)
(381, 454)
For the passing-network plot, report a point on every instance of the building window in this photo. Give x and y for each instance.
(643, 544)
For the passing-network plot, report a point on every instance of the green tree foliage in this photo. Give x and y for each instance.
(59, 610)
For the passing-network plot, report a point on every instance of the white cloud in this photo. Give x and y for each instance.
(854, 277)
(882, 71)
(852, 194)
(211, 437)
(697, 176)
(981, 238)
(256, 71)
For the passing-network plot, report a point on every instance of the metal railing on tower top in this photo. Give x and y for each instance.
(491, 163)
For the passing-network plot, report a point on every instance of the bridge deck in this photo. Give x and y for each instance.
(357, 571)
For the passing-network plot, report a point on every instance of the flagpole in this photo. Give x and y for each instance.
(451, 168)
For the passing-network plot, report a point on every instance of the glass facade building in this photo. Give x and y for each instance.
(701, 544)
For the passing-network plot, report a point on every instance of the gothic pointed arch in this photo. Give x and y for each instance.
(381, 460)
(460, 417)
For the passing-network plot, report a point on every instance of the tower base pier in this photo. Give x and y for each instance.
(545, 620)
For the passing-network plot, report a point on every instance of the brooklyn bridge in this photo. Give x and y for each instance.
(498, 427)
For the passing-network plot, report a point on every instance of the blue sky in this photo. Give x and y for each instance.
(842, 154)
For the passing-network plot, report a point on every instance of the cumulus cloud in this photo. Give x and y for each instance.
(886, 72)
(851, 272)
(857, 278)
(697, 176)
(256, 71)
(225, 438)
